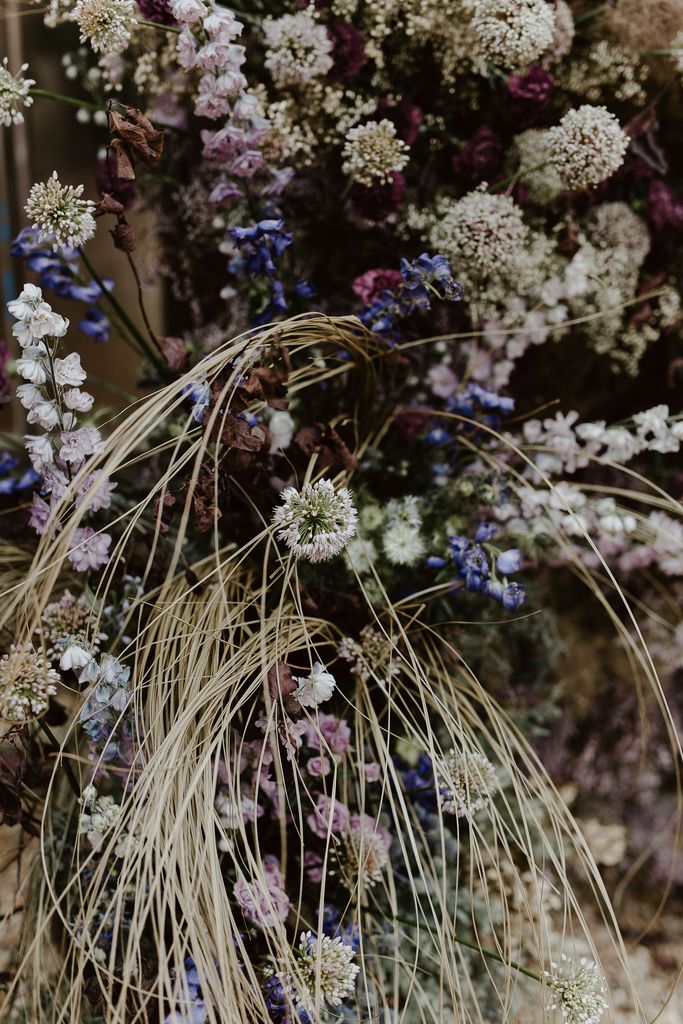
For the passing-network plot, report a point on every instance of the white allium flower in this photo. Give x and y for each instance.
(14, 94)
(299, 48)
(483, 233)
(403, 544)
(26, 684)
(563, 33)
(317, 522)
(105, 24)
(467, 783)
(577, 990)
(372, 151)
(587, 146)
(513, 33)
(360, 554)
(324, 964)
(63, 218)
(315, 688)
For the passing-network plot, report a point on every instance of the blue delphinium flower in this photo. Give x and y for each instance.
(199, 393)
(279, 1006)
(508, 561)
(422, 280)
(193, 1007)
(478, 570)
(11, 482)
(260, 248)
(59, 271)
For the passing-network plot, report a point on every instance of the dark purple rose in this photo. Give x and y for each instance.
(481, 158)
(372, 283)
(406, 117)
(156, 10)
(528, 95)
(120, 188)
(663, 209)
(348, 51)
(377, 202)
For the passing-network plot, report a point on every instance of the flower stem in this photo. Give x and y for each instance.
(157, 24)
(592, 13)
(69, 100)
(517, 175)
(56, 747)
(492, 955)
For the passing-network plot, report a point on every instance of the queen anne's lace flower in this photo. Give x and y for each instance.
(317, 522)
(105, 24)
(26, 684)
(373, 151)
(324, 964)
(59, 213)
(513, 33)
(577, 990)
(587, 146)
(299, 48)
(14, 94)
(467, 783)
(483, 233)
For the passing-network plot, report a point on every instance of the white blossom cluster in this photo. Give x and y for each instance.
(370, 656)
(58, 212)
(317, 522)
(467, 783)
(513, 33)
(14, 94)
(402, 540)
(587, 146)
(577, 990)
(326, 965)
(373, 152)
(26, 684)
(315, 688)
(99, 815)
(364, 852)
(53, 397)
(68, 622)
(106, 24)
(481, 234)
(299, 49)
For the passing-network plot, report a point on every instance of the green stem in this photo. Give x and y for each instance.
(501, 960)
(592, 13)
(121, 313)
(156, 24)
(517, 175)
(56, 747)
(69, 100)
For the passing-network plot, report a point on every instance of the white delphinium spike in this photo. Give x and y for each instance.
(59, 213)
(106, 24)
(467, 783)
(577, 990)
(326, 964)
(316, 522)
(14, 94)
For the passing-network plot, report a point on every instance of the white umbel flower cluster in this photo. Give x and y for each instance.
(326, 964)
(587, 146)
(483, 233)
(577, 990)
(14, 94)
(299, 48)
(26, 684)
(106, 24)
(317, 522)
(59, 213)
(467, 783)
(373, 151)
(513, 33)
(370, 656)
(402, 541)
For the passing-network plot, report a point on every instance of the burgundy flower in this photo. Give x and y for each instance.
(377, 202)
(481, 158)
(372, 283)
(156, 10)
(528, 94)
(120, 188)
(406, 117)
(663, 209)
(348, 51)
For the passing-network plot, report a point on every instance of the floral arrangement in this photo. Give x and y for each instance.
(288, 641)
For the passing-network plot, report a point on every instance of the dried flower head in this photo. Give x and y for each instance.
(26, 684)
(299, 48)
(373, 151)
(14, 94)
(324, 964)
(105, 24)
(317, 522)
(513, 33)
(59, 213)
(577, 990)
(370, 656)
(467, 783)
(364, 852)
(66, 621)
(587, 146)
(483, 233)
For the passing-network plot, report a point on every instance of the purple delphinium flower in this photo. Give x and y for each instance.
(348, 50)
(508, 561)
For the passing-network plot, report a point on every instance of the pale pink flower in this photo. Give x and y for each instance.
(40, 452)
(319, 766)
(45, 413)
(79, 401)
(68, 371)
(329, 815)
(90, 550)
